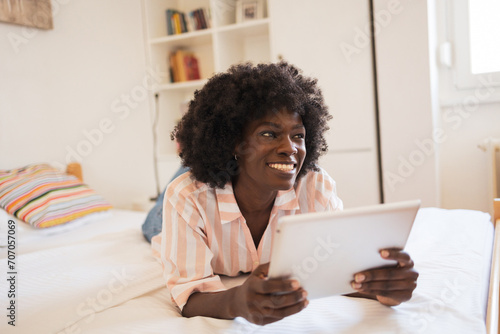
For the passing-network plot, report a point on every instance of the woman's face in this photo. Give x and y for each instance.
(272, 151)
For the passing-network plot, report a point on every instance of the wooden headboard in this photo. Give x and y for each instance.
(496, 209)
(75, 169)
(493, 313)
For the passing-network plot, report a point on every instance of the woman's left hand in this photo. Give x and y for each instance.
(389, 285)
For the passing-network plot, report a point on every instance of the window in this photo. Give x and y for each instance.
(484, 34)
(475, 42)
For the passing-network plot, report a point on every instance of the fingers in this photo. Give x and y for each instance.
(390, 285)
(261, 284)
(269, 314)
(384, 287)
(282, 300)
(274, 286)
(400, 272)
(384, 274)
(401, 257)
(277, 293)
(388, 292)
(270, 300)
(271, 308)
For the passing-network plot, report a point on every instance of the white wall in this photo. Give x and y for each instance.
(78, 92)
(464, 179)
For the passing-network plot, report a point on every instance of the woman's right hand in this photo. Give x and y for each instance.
(262, 301)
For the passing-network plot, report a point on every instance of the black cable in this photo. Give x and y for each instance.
(155, 145)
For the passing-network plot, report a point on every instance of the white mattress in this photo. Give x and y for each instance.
(100, 277)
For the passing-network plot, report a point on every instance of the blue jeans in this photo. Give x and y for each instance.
(152, 224)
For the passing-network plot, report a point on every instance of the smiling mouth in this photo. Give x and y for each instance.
(282, 167)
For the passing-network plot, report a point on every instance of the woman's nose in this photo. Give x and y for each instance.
(287, 146)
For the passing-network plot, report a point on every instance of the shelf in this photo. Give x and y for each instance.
(249, 28)
(217, 48)
(193, 37)
(204, 36)
(193, 84)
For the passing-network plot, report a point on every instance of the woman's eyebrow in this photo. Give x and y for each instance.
(278, 126)
(271, 124)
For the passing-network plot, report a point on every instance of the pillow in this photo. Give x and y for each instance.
(43, 196)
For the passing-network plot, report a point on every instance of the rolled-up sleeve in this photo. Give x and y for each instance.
(183, 250)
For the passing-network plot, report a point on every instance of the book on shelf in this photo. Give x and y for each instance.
(179, 22)
(183, 66)
(200, 18)
(176, 22)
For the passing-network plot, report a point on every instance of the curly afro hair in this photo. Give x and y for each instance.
(216, 118)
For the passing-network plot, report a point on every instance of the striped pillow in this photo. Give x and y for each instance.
(43, 196)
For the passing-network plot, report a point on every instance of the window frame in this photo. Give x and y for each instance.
(463, 76)
(457, 83)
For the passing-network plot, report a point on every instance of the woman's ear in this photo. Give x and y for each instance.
(237, 150)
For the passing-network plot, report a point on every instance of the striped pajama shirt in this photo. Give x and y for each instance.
(204, 234)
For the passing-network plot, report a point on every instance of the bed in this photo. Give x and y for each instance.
(98, 276)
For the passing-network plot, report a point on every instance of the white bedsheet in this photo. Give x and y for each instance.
(101, 278)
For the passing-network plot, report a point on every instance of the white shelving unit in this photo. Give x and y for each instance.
(305, 33)
(225, 43)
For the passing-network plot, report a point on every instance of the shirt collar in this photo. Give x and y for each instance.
(229, 210)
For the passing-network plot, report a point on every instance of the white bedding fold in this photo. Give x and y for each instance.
(61, 286)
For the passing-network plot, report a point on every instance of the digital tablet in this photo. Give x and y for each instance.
(324, 250)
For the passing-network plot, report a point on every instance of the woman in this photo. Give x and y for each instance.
(252, 138)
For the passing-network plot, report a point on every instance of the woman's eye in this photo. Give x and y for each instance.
(299, 135)
(267, 134)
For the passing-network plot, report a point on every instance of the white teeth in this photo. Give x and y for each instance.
(282, 167)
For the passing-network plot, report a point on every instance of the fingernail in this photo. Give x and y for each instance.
(384, 253)
(359, 277)
(356, 286)
(304, 294)
(306, 303)
(295, 284)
